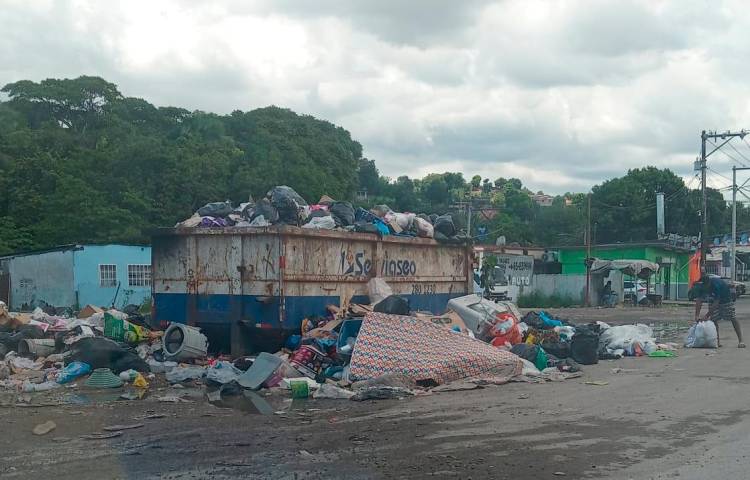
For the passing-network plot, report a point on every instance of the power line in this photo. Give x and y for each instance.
(719, 174)
(718, 148)
(740, 154)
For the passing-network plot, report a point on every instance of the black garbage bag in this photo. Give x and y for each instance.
(216, 209)
(433, 217)
(264, 207)
(288, 203)
(343, 213)
(532, 320)
(584, 347)
(526, 351)
(444, 224)
(557, 349)
(393, 304)
(100, 352)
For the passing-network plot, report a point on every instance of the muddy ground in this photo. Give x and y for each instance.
(685, 417)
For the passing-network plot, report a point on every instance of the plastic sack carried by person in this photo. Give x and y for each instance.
(72, 371)
(702, 335)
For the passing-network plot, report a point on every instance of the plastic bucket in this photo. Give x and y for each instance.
(300, 388)
(36, 347)
(181, 342)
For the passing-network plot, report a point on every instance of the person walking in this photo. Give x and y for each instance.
(721, 306)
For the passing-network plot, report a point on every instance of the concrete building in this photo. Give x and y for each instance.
(671, 281)
(76, 275)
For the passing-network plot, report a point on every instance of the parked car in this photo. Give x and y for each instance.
(738, 288)
(634, 290)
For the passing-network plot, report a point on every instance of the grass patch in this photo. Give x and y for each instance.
(540, 300)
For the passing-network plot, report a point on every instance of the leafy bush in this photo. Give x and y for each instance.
(540, 300)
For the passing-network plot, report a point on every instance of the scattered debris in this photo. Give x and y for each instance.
(101, 436)
(115, 428)
(44, 428)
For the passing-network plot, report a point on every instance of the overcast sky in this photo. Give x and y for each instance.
(561, 94)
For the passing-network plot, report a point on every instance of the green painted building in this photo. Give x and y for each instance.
(672, 280)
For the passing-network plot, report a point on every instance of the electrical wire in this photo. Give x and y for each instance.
(719, 149)
(740, 154)
(719, 174)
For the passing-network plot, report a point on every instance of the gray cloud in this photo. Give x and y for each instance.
(560, 93)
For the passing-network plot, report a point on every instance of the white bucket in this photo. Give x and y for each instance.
(181, 342)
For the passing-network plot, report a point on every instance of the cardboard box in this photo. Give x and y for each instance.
(88, 311)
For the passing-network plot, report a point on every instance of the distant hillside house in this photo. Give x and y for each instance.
(543, 200)
(72, 276)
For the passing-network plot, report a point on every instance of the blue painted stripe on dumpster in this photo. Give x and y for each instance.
(223, 309)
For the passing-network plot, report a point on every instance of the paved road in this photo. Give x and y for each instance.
(686, 418)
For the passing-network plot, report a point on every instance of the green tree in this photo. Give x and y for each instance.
(476, 180)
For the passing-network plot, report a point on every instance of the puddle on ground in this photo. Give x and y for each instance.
(237, 399)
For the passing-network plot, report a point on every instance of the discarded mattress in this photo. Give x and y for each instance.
(424, 351)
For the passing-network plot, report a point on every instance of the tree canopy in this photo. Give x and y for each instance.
(81, 162)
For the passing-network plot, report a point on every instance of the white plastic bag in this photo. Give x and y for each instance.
(378, 290)
(405, 220)
(326, 223)
(702, 335)
(624, 336)
(424, 228)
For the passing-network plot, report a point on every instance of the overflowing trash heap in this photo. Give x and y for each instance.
(357, 351)
(283, 206)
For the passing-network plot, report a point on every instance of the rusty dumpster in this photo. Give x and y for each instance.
(246, 286)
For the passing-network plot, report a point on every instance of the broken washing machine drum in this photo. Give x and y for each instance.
(181, 342)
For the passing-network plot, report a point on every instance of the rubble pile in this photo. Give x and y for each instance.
(283, 206)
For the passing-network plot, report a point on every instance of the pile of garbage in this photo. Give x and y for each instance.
(357, 351)
(283, 206)
(586, 344)
(42, 352)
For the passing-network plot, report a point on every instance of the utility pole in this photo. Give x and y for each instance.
(588, 253)
(734, 223)
(726, 137)
(704, 204)
(733, 252)
(468, 220)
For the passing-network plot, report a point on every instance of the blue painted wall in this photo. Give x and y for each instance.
(86, 272)
(43, 278)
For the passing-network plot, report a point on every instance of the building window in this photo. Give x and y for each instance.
(107, 275)
(139, 275)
